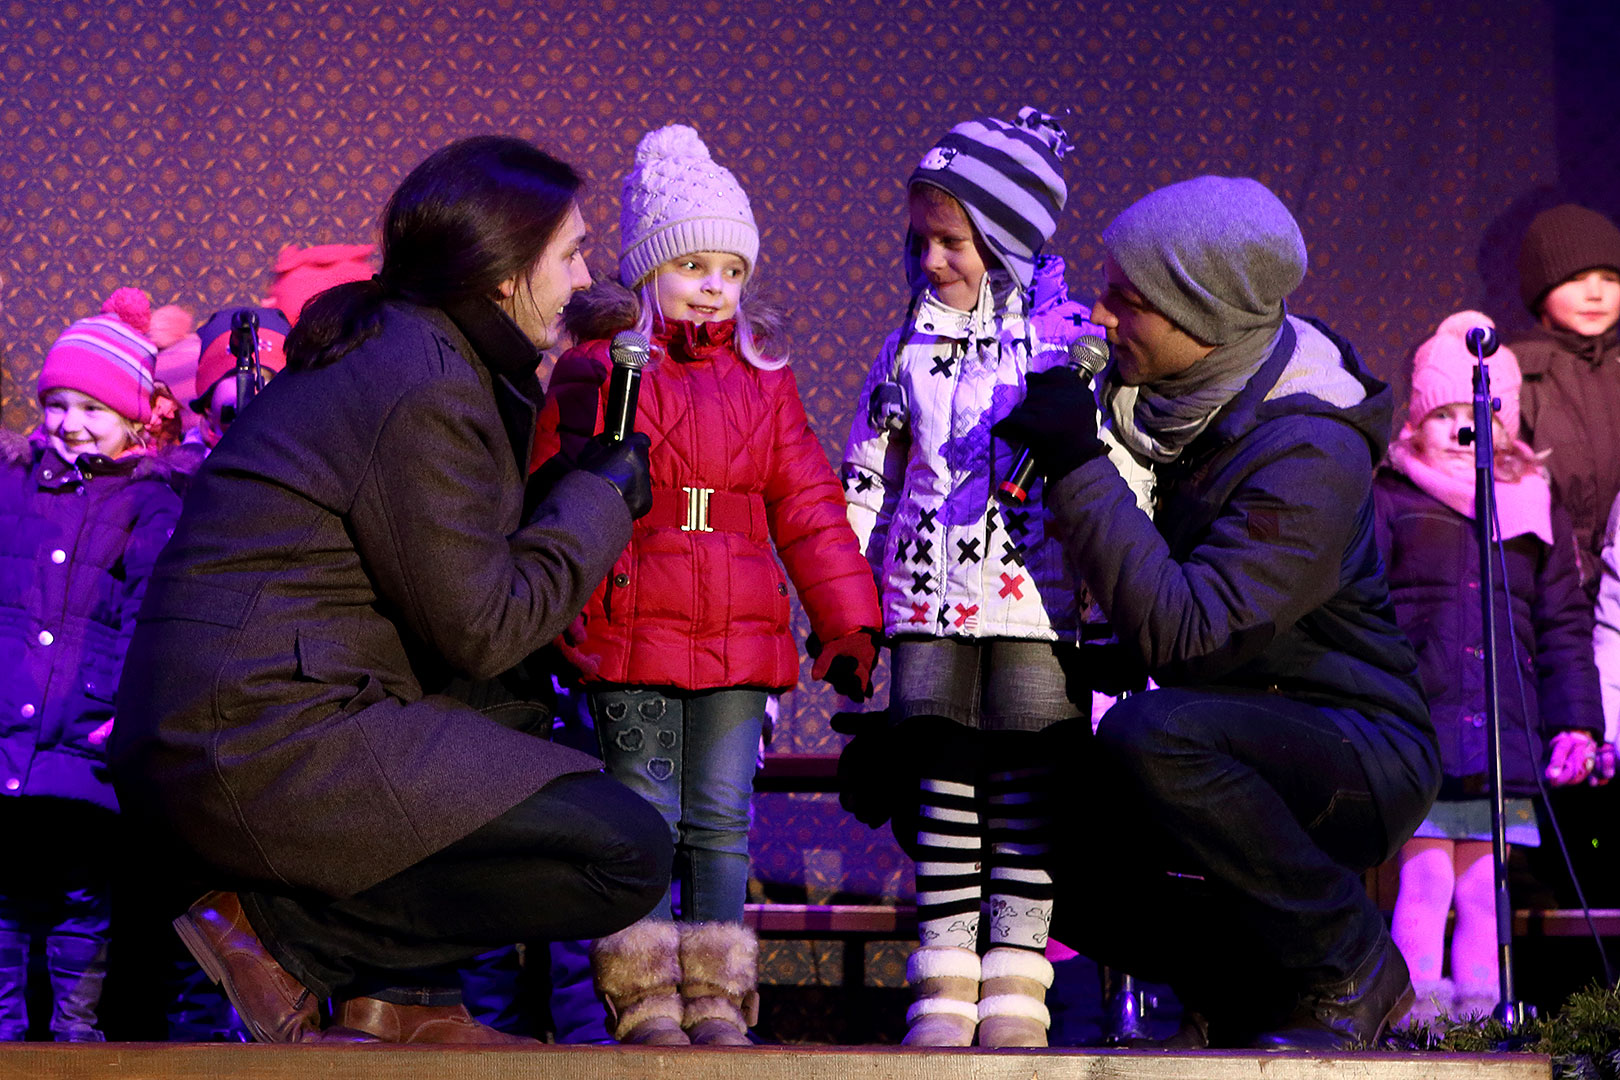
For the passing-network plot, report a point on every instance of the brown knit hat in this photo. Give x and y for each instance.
(1561, 243)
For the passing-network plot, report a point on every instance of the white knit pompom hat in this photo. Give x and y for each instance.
(678, 200)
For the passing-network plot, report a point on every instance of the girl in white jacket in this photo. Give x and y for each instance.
(981, 615)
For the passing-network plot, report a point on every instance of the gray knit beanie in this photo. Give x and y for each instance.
(1215, 254)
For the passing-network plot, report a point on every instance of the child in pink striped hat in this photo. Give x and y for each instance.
(84, 511)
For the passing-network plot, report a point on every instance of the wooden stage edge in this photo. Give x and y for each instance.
(152, 1061)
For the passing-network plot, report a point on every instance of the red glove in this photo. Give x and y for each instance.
(846, 663)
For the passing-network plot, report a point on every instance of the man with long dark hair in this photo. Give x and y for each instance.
(357, 552)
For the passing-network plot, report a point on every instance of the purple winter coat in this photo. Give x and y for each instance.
(1432, 561)
(76, 547)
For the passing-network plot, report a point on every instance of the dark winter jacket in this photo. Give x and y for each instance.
(1543, 632)
(1260, 568)
(77, 544)
(695, 609)
(1569, 404)
(357, 540)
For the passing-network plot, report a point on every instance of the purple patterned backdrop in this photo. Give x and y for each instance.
(177, 145)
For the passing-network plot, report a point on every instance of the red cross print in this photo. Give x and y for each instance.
(919, 612)
(1010, 585)
(965, 614)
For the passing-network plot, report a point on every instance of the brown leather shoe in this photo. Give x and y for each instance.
(275, 1006)
(420, 1023)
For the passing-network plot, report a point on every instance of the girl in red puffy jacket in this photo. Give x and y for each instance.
(683, 644)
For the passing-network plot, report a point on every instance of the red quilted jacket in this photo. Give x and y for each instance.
(695, 609)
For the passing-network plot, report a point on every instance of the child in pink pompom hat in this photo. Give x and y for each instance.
(1424, 503)
(85, 510)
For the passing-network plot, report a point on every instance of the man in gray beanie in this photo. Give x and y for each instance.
(1288, 746)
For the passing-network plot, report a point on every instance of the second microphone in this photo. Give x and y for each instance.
(1088, 355)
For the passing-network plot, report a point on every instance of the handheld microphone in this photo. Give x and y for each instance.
(1088, 354)
(629, 353)
(244, 345)
(1481, 341)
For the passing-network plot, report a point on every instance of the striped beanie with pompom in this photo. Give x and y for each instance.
(1009, 179)
(108, 357)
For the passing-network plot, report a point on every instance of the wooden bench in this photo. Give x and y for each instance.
(818, 773)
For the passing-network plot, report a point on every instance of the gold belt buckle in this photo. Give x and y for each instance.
(697, 509)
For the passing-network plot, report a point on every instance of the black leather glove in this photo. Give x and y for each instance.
(624, 465)
(1057, 420)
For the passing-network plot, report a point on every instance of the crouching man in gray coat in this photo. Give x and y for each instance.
(1289, 746)
(360, 542)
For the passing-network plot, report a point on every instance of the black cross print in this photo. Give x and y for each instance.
(925, 553)
(969, 551)
(1017, 522)
(925, 520)
(943, 365)
(920, 582)
(862, 481)
(902, 551)
(1012, 553)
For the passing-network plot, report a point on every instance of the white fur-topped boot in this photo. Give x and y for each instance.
(945, 987)
(1012, 998)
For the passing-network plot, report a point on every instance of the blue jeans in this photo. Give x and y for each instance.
(691, 754)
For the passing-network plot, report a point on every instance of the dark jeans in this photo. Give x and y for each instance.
(581, 858)
(1238, 826)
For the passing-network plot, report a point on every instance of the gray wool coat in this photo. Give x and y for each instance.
(358, 540)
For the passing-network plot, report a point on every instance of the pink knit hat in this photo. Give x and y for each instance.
(676, 201)
(303, 272)
(108, 356)
(1443, 372)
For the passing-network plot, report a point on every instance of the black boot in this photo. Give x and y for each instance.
(1350, 1013)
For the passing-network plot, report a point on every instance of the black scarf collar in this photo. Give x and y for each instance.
(500, 344)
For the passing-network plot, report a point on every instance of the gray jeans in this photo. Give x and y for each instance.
(994, 684)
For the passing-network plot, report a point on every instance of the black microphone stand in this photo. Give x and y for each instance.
(1482, 343)
(244, 345)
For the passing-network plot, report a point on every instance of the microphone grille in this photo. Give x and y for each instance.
(1089, 353)
(629, 349)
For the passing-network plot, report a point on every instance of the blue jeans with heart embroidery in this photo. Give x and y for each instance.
(691, 754)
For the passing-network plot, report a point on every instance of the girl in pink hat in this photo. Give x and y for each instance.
(84, 511)
(684, 644)
(1547, 685)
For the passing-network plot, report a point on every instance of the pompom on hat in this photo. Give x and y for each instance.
(1009, 179)
(678, 200)
(108, 357)
(1443, 372)
(301, 273)
(1560, 243)
(216, 360)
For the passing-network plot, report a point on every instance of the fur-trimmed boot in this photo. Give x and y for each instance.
(1472, 1001)
(1434, 999)
(945, 988)
(1012, 998)
(638, 975)
(719, 983)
